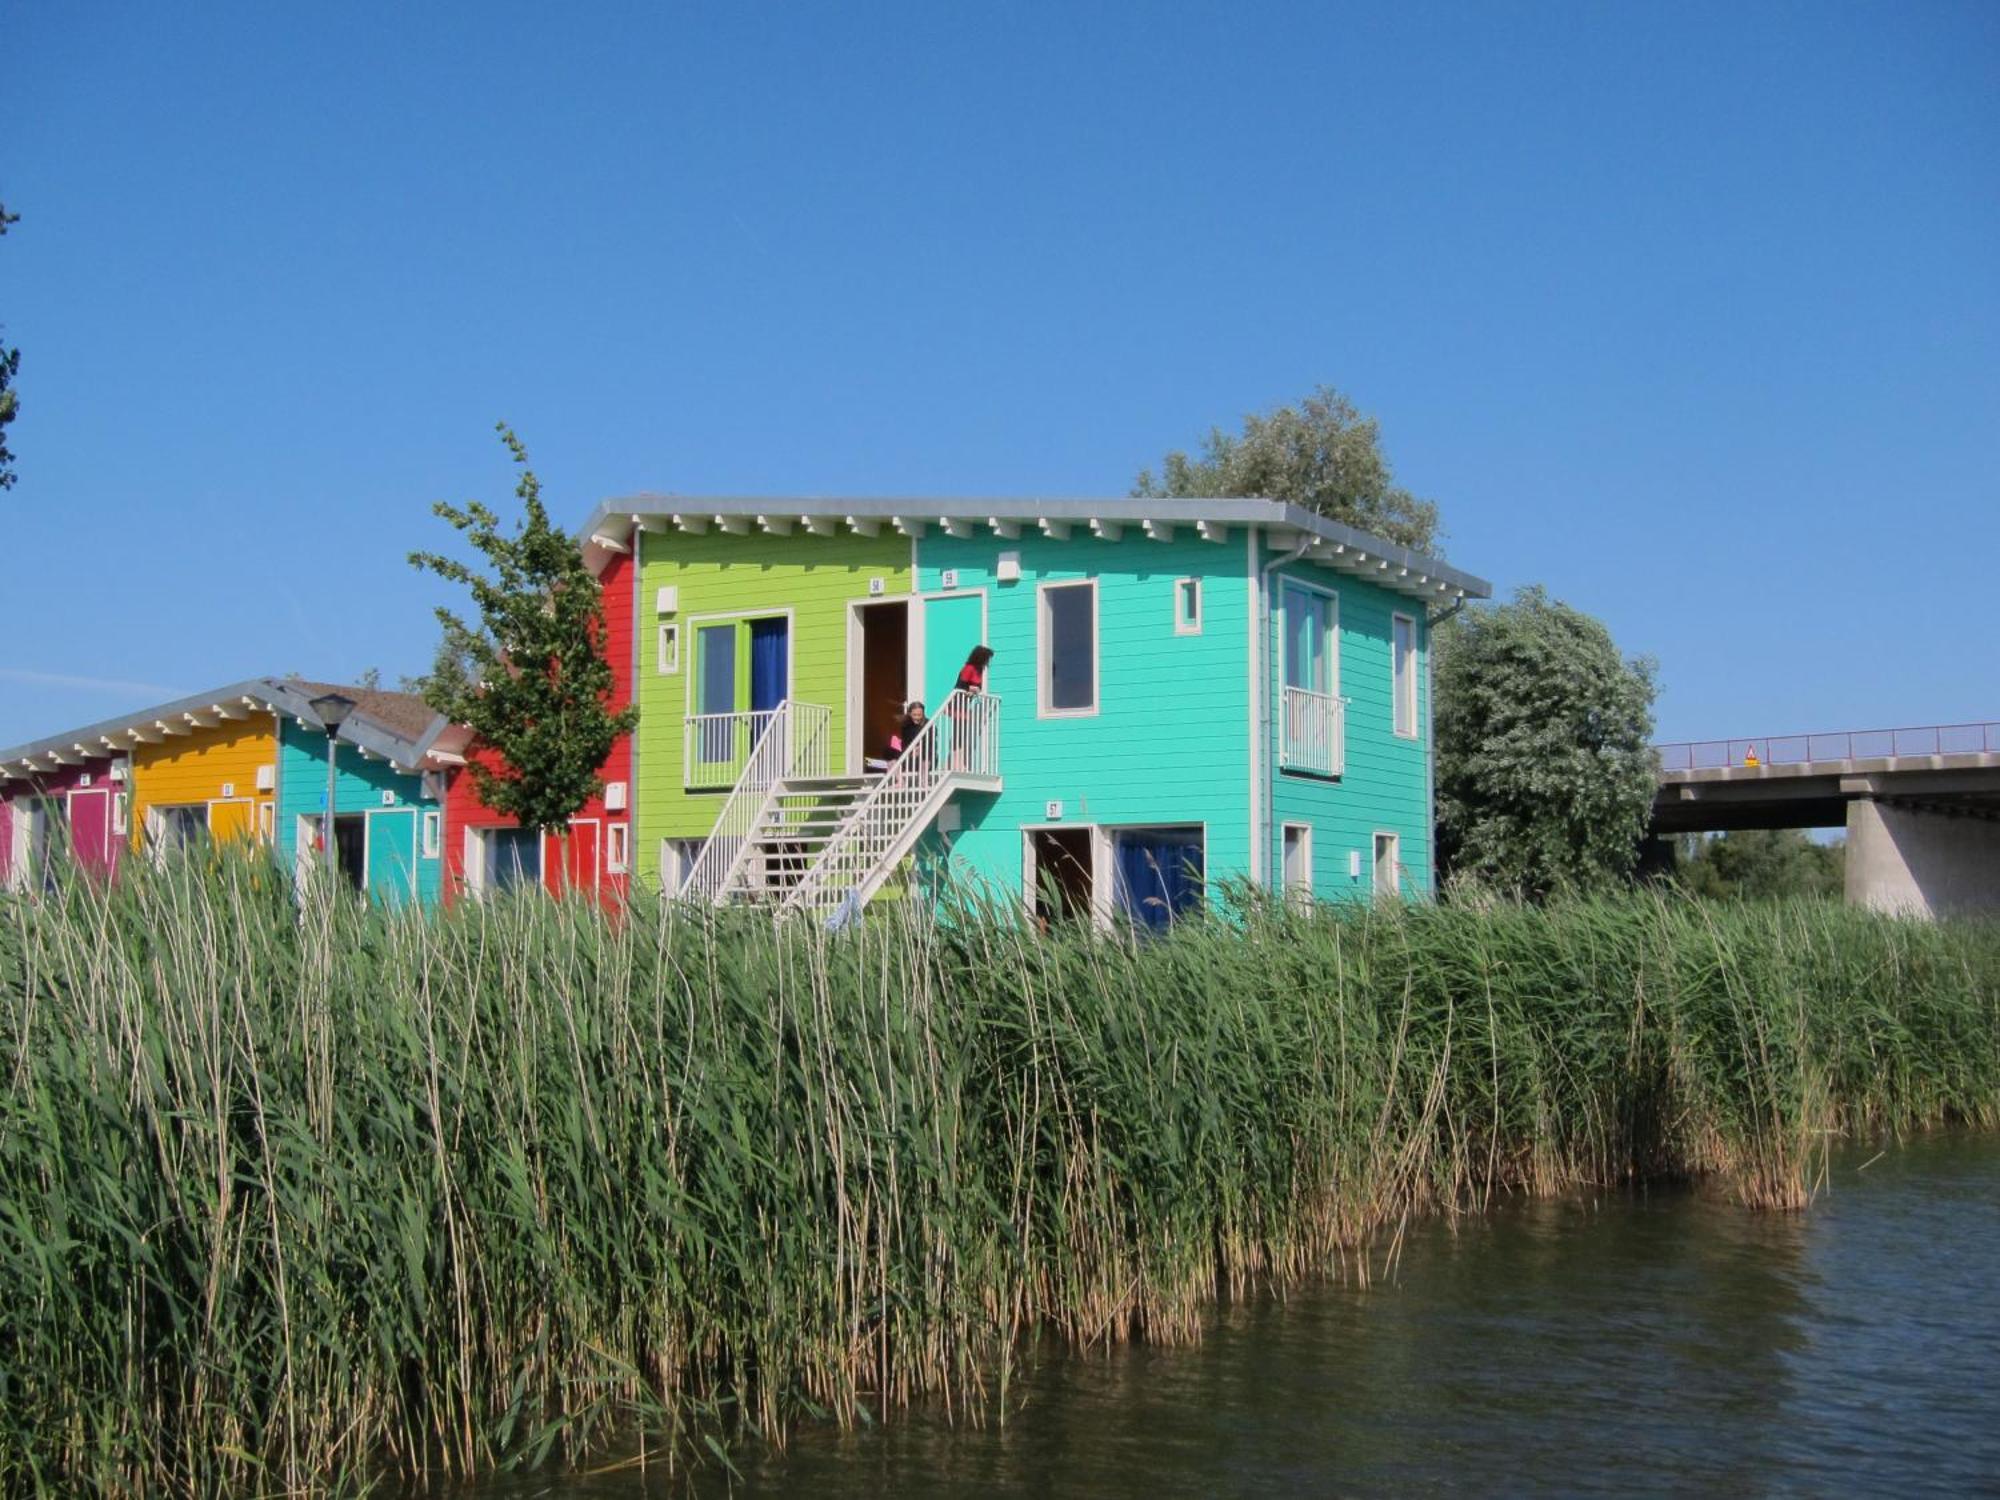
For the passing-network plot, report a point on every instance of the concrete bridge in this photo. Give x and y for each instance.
(1921, 806)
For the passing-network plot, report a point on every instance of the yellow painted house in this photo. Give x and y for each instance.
(215, 771)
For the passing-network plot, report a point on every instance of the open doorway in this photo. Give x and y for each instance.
(350, 848)
(1059, 862)
(884, 684)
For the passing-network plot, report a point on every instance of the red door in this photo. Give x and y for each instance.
(90, 828)
(570, 858)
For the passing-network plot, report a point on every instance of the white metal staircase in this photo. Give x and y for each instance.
(804, 840)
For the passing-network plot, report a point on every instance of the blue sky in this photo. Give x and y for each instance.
(1691, 313)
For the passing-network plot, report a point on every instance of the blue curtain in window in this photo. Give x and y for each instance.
(770, 651)
(1160, 875)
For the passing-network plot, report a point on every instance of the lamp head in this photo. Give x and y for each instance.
(331, 709)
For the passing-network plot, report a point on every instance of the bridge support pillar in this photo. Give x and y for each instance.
(1917, 863)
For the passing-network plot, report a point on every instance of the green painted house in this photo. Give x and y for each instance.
(1181, 693)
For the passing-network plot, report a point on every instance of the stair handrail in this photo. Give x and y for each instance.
(793, 742)
(962, 740)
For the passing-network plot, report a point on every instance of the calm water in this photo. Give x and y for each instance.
(1657, 1343)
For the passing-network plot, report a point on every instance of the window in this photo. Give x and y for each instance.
(513, 858)
(267, 822)
(1403, 672)
(433, 834)
(677, 859)
(1310, 618)
(716, 667)
(669, 650)
(1160, 874)
(177, 827)
(1187, 606)
(1388, 866)
(617, 847)
(1069, 649)
(118, 813)
(1298, 864)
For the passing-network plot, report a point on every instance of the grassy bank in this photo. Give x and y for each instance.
(282, 1200)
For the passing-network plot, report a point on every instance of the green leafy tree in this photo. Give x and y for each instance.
(1762, 864)
(530, 680)
(1545, 768)
(10, 366)
(1322, 455)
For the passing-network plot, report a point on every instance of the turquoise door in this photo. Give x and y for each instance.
(392, 855)
(952, 627)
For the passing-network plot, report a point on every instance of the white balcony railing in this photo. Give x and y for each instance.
(716, 747)
(1312, 733)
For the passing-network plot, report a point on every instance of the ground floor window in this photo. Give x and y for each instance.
(1160, 873)
(177, 827)
(513, 858)
(677, 857)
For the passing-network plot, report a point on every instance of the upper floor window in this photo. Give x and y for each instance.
(1403, 672)
(1187, 606)
(1068, 673)
(1310, 622)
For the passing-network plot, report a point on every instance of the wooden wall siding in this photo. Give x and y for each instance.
(193, 768)
(464, 810)
(815, 577)
(1171, 740)
(359, 787)
(1384, 786)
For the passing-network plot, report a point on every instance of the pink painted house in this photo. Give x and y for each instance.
(82, 801)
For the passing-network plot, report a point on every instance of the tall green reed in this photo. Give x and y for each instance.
(294, 1196)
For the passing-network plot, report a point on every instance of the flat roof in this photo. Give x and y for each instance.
(1329, 543)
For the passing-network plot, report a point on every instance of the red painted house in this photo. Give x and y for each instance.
(485, 850)
(62, 795)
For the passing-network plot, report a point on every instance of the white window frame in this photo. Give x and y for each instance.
(1187, 624)
(433, 833)
(667, 649)
(1399, 683)
(1395, 890)
(1332, 596)
(617, 847)
(1044, 658)
(120, 813)
(1299, 895)
(741, 618)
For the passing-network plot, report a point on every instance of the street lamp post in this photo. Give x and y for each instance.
(332, 710)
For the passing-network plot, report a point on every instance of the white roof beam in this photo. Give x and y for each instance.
(819, 525)
(165, 728)
(909, 526)
(1004, 529)
(863, 525)
(1211, 531)
(1159, 531)
(648, 523)
(1054, 530)
(610, 543)
(776, 525)
(734, 525)
(228, 711)
(694, 525)
(954, 527)
(202, 721)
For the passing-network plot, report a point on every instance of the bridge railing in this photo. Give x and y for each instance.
(1845, 744)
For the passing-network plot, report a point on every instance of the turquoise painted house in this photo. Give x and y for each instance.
(388, 823)
(1181, 693)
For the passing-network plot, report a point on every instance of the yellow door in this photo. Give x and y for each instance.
(229, 821)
